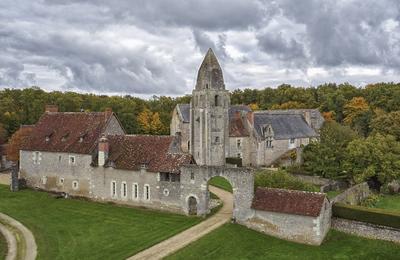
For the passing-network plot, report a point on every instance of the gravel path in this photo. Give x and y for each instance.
(20, 240)
(192, 234)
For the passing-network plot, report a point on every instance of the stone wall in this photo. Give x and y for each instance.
(194, 184)
(354, 195)
(297, 228)
(366, 229)
(326, 184)
(244, 150)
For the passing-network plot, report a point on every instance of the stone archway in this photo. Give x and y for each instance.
(192, 205)
(194, 180)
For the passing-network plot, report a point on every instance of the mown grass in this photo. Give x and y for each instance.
(233, 241)
(220, 182)
(390, 202)
(333, 193)
(77, 229)
(3, 247)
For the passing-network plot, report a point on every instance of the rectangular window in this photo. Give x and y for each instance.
(61, 181)
(239, 155)
(192, 175)
(239, 143)
(135, 191)
(165, 176)
(268, 142)
(72, 160)
(292, 140)
(217, 139)
(124, 192)
(113, 189)
(35, 157)
(146, 192)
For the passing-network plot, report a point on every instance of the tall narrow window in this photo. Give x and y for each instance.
(146, 192)
(36, 157)
(124, 192)
(268, 142)
(135, 191)
(113, 189)
(239, 143)
(216, 99)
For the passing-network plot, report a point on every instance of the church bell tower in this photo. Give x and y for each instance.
(209, 132)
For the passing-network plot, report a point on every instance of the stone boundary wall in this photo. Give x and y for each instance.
(326, 184)
(366, 230)
(354, 195)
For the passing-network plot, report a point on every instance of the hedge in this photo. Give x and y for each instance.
(369, 215)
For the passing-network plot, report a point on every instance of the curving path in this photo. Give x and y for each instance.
(21, 242)
(192, 234)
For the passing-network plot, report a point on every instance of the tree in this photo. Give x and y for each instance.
(325, 158)
(387, 123)
(16, 142)
(254, 106)
(358, 115)
(376, 156)
(289, 105)
(150, 122)
(3, 135)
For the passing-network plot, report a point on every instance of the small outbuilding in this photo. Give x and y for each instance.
(298, 216)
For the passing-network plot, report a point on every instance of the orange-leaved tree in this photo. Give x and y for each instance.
(16, 141)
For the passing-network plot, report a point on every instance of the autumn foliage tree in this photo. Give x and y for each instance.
(358, 115)
(16, 142)
(150, 122)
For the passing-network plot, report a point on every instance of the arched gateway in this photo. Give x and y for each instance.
(194, 180)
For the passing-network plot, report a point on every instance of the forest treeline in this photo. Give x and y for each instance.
(360, 139)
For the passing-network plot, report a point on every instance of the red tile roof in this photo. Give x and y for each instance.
(62, 132)
(130, 152)
(288, 201)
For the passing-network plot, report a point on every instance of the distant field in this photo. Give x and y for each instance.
(233, 241)
(3, 247)
(390, 202)
(76, 229)
(221, 182)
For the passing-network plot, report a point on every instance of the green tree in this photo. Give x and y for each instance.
(375, 156)
(325, 158)
(387, 123)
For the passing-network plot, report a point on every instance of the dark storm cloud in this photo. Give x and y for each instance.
(154, 47)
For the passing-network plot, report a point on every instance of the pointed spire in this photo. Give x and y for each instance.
(210, 73)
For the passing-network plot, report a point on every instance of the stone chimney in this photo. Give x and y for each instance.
(103, 150)
(107, 113)
(51, 108)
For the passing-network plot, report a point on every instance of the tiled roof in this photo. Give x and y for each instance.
(72, 132)
(288, 201)
(315, 116)
(284, 126)
(130, 152)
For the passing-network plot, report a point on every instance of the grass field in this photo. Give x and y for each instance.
(3, 247)
(233, 241)
(77, 229)
(391, 202)
(220, 182)
(333, 193)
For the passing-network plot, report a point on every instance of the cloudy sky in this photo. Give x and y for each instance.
(147, 47)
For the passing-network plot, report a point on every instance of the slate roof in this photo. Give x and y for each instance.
(284, 126)
(316, 117)
(288, 201)
(64, 131)
(184, 112)
(130, 152)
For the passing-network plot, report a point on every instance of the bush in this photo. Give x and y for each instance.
(281, 179)
(369, 215)
(370, 201)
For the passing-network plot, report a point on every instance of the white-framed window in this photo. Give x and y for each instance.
(36, 156)
(61, 181)
(75, 185)
(239, 155)
(292, 140)
(124, 189)
(146, 192)
(135, 191)
(113, 189)
(268, 142)
(72, 160)
(239, 143)
(44, 180)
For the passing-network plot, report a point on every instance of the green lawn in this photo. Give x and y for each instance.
(233, 241)
(220, 182)
(333, 193)
(390, 202)
(77, 229)
(3, 247)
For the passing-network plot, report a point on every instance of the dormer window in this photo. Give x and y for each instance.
(64, 137)
(81, 139)
(47, 138)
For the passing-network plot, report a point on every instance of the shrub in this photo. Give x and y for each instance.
(281, 179)
(370, 201)
(369, 215)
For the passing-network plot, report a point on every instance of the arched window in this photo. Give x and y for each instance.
(216, 99)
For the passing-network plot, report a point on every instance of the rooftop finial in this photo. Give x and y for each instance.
(210, 73)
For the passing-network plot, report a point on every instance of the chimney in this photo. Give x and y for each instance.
(307, 117)
(250, 117)
(107, 113)
(103, 150)
(51, 108)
